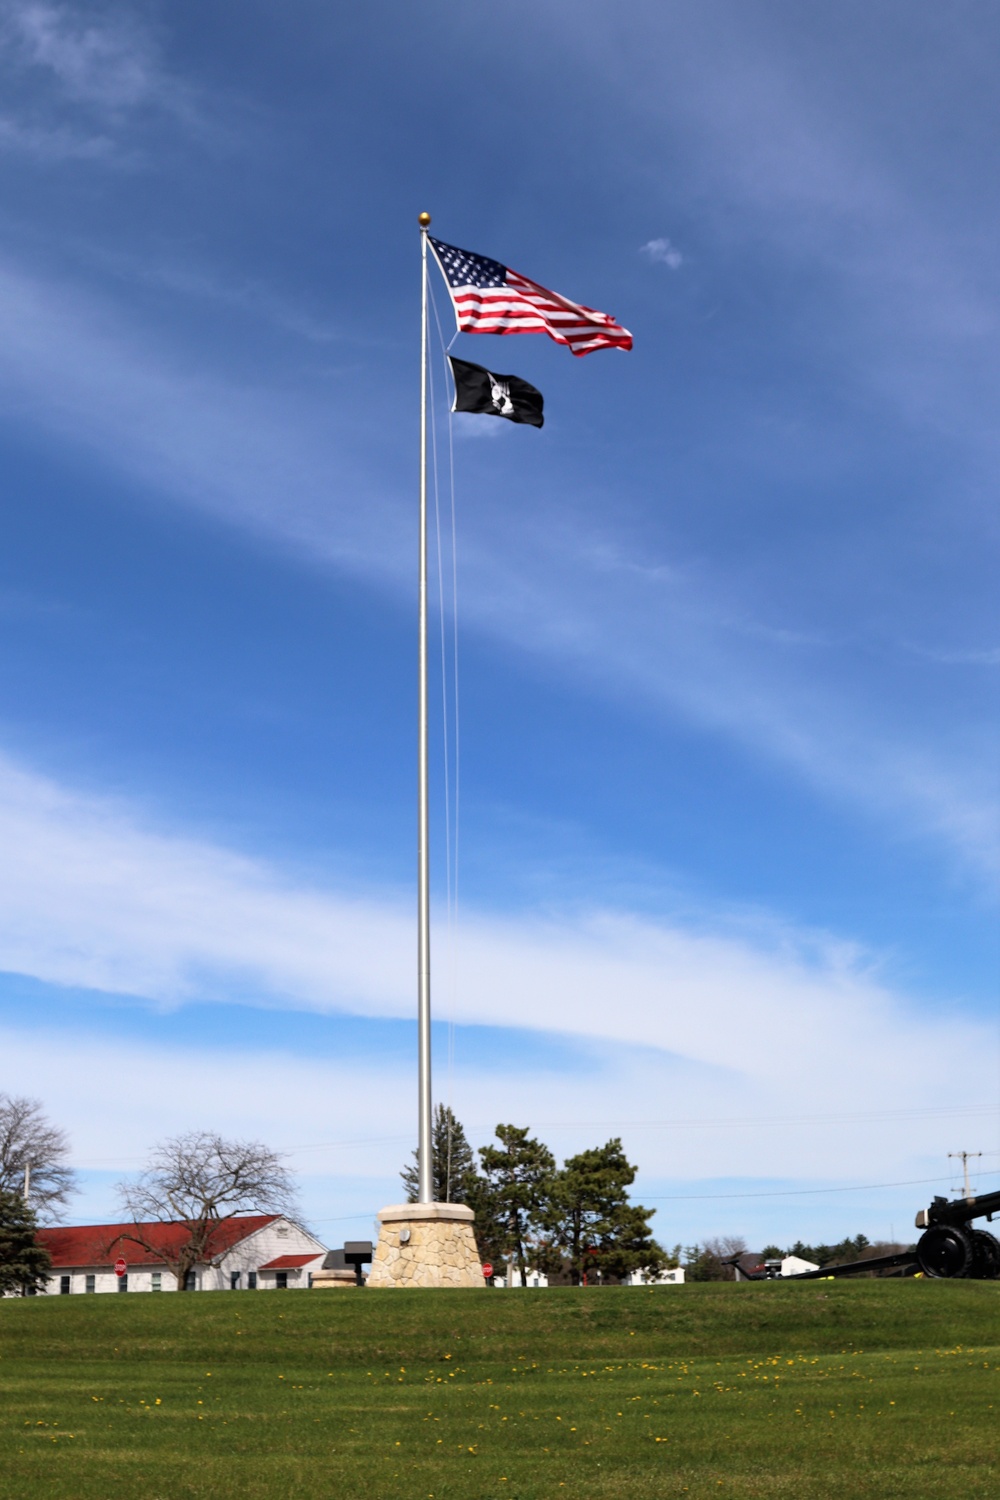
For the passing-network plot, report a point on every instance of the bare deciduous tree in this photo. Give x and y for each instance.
(28, 1140)
(200, 1181)
(713, 1260)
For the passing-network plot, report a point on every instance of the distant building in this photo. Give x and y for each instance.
(255, 1252)
(673, 1277)
(531, 1278)
(794, 1265)
(753, 1266)
(535, 1278)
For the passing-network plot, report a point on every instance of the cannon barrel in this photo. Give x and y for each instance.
(822, 1273)
(856, 1267)
(959, 1210)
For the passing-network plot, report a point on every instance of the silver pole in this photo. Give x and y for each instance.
(424, 1153)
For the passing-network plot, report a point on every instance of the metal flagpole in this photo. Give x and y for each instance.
(424, 1160)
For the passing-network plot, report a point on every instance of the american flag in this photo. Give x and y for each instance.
(491, 298)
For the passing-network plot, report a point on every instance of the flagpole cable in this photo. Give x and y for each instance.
(450, 957)
(457, 757)
(444, 654)
(425, 1191)
(453, 852)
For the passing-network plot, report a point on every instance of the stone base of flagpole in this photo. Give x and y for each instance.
(426, 1244)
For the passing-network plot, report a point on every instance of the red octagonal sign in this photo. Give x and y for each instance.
(487, 1270)
(121, 1266)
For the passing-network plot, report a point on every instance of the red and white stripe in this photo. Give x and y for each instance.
(522, 306)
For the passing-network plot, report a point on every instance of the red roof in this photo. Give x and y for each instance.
(289, 1262)
(101, 1244)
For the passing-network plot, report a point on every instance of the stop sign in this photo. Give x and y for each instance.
(121, 1266)
(487, 1270)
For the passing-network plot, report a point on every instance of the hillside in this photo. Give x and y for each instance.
(886, 1388)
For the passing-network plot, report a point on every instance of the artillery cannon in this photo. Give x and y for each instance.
(948, 1247)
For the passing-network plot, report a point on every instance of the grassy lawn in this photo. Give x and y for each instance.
(824, 1389)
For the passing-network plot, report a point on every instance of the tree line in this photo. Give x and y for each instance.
(712, 1261)
(575, 1221)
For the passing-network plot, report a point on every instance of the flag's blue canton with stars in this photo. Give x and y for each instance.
(462, 268)
(491, 298)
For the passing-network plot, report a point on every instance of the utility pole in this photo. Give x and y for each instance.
(27, 1180)
(965, 1157)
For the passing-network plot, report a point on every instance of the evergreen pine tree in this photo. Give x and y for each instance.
(590, 1222)
(518, 1176)
(24, 1264)
(453, 1166)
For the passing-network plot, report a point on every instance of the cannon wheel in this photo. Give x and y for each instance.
(944, 1250)
(985, 1255)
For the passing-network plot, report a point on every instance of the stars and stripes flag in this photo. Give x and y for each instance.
(491, 298)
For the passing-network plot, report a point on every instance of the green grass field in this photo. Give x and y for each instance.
(877, 1388)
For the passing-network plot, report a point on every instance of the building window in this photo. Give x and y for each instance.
(64, 1285)
(251, 1281)
(234, 1281)
(123, 1283)
(191, 1282)
(91, 1283)
(281, 1281)
(156, 1281)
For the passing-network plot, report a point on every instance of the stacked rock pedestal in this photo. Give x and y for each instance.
(426, 1244)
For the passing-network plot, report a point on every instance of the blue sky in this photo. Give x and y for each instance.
(728, 626)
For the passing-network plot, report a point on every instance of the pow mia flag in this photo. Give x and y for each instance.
(479, 390)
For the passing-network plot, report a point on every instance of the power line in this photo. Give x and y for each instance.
(722, 1122)
(719, 1123)
(864, 1187)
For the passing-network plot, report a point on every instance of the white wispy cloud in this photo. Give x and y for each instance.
(473, 428)
(791, 151)
(267, 460)
(347, 1127)
(987, 656)
(731, 1017)
(662, 253)
(80, 81)
(106, 62)
(192, 283)
(281, 466)
(664, 633)
(55, 143)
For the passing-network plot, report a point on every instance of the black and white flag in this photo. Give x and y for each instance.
(479, 390)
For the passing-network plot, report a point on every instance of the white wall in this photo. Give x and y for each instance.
(794, 1265)
(674, 1277)
(534, 1278)
(280, 1238)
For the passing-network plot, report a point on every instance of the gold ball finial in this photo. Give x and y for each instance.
(424, 220)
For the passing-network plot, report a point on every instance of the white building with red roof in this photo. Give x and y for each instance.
(249, 1252)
